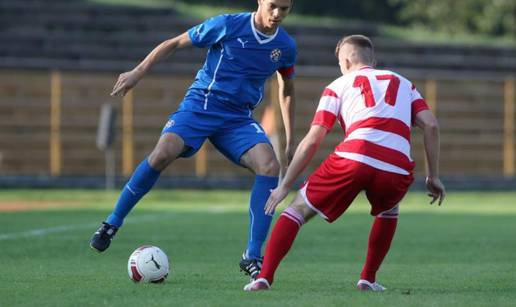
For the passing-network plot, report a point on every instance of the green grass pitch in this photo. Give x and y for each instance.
(460, 254)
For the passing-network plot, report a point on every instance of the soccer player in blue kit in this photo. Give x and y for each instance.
(244, 50)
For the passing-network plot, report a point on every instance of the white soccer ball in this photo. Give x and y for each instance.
(148, 264)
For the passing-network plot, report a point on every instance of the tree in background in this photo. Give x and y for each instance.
(491, 17)
(370, 10)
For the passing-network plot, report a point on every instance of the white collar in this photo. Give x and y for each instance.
(258, 33)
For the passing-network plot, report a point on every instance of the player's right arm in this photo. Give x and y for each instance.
(427, 121)
(325, 116)
(302, 157)
(203, 35)
(128, 80)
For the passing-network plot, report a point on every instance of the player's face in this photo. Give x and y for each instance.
(272, 12)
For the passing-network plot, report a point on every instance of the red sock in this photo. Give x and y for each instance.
(282, 237)
(380, 240)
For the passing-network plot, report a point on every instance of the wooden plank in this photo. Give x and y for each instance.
(127, 134)
(55, 123)
(508, 148)
(201, 162)
(431, 94)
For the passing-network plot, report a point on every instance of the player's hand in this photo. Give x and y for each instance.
(436, 189)
(125, 82)
(277, 195)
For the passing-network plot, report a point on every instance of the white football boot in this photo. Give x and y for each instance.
(365, 285)
(257, 285)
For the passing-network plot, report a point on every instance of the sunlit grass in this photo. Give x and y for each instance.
(460, 254)
(237, 201)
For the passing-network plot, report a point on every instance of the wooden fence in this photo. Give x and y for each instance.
(48, 123)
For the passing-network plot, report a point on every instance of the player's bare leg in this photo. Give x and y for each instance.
(282, 238)
(262, 161)
(380, 238)
(168, 148)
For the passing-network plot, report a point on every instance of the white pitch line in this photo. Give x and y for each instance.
(45, 231)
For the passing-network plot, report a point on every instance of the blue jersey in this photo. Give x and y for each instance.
(239, 61)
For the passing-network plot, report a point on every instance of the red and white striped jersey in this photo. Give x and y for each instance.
(376, 109)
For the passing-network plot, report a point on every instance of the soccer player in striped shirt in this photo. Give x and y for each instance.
(244, 50)
(376, 109)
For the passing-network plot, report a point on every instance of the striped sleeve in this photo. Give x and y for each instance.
(328, 109)
(418, 103)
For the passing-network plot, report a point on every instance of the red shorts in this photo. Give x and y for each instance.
(335, 184)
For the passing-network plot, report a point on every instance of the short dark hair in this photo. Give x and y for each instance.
(357, 40)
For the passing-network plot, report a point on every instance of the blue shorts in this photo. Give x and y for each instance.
(232, 133)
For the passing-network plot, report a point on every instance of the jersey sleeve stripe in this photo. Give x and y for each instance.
(378, 152)
(287, 72)
(325, 119)
(329, 92)
(391, 125)
(419, 105)
(330, 104)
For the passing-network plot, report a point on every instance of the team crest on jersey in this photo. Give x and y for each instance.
(275, 55)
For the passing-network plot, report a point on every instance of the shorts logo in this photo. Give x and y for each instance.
(169, 124)
(275, 55)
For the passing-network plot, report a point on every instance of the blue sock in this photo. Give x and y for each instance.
(140, 183)
(260, 223)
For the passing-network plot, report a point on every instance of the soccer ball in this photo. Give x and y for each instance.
(148, 264)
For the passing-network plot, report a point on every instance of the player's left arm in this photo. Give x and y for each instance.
(287, 106)
(424, 119)
(304, 154)
(428, 123)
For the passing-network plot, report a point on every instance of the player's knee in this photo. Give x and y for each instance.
(269, 167)
(299, 205)
(160, 158)
(169, 147)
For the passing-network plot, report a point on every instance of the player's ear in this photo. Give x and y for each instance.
(348, 64)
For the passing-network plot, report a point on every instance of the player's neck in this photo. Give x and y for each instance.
(358, 67)
(260, 25)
